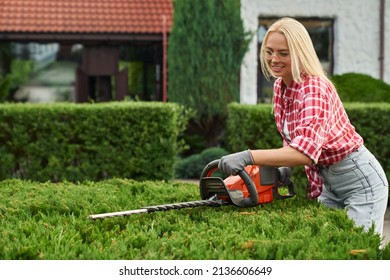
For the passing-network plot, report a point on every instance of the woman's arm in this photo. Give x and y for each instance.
(285, 156)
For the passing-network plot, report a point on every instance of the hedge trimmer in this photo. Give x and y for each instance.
(252, 186)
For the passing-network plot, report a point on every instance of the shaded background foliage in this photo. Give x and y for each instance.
(206, 48)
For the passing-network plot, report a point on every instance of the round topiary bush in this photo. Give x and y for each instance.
(191, 167)
(355, 87)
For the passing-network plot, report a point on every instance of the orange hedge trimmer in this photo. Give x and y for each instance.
(252, 186)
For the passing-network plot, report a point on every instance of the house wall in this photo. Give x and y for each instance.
(356, 41)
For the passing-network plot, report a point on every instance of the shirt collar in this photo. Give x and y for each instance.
(290, 91)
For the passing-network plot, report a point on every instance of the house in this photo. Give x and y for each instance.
(102, 28)
(349, 35)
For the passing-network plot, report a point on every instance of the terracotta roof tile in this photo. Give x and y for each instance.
(85, 16)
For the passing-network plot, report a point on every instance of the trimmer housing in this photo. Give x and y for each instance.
(252, 186)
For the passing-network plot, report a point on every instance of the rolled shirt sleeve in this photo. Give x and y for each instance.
(311, 132)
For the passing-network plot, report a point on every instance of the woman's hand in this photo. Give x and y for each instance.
(233, 163)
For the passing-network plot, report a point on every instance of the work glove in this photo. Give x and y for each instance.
(233, 163)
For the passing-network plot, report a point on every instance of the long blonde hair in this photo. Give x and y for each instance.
(304, 59)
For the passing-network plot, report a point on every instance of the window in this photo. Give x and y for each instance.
(321, 33)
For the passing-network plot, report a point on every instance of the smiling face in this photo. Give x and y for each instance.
(277, 55)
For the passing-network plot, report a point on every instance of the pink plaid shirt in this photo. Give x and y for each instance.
(317, 125)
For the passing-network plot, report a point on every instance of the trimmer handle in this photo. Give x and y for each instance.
(245, 202)
(284, 172)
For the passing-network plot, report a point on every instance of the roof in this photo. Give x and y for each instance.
(85, 16)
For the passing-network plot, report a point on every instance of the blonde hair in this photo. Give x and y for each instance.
(304, 59)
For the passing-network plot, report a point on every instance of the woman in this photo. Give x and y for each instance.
(316, 131)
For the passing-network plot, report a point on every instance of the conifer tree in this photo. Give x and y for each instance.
(206, 47)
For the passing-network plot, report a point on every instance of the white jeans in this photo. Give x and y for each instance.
(359, 185)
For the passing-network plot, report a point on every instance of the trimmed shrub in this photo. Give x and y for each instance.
(77, 142)
(49, 221)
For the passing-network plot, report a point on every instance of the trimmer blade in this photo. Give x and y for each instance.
(117, 214)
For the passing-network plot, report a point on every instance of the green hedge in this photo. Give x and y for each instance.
(370, 121)
(77, 142)
(49, 221)
(253, 126)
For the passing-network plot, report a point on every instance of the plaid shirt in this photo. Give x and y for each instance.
(317, 125)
